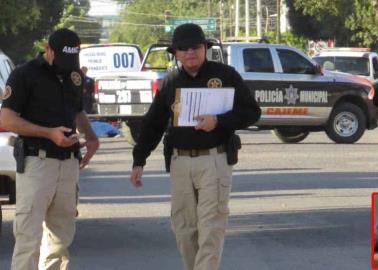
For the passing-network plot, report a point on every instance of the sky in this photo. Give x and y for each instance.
(103, 7)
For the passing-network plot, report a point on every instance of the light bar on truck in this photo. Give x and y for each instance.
(345, 49)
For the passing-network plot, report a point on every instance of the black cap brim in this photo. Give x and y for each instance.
(171, 49)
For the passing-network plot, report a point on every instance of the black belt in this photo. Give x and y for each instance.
(199, 152)
(61, 155)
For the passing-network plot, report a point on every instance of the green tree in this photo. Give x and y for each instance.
(363, 23)
(18, 42)
(321, 19)
(18, 14)
(142, 21)
(350, 23)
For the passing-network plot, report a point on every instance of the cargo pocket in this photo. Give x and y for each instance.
(224, 174)
(22, 219)
(224, 188)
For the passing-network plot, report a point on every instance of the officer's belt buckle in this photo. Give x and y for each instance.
(201, 152)
(195, 152)
(42, 154)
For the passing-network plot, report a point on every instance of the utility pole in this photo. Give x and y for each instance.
(278, 39)
(221, 20)
(236, 18)
(247, 20)
(258, 18)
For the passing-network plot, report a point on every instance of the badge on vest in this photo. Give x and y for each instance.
(214, 83)
(76, 78)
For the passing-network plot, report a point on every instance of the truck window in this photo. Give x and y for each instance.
(106, 60)
(214, 54)
(158, 59)
(347, 64)
(293, 62)
(257, 60)
(375, 65)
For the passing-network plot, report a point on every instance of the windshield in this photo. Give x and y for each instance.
(352, 65)
(158, 59)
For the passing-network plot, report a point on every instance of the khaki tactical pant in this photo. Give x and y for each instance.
(200, 188)
(46, 205)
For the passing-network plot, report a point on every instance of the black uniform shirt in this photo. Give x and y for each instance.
(43, 98)
(245, 111)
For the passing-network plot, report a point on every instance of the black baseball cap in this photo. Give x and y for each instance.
(188, 35)
(66, 46)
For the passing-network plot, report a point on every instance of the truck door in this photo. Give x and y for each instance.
(288, 86)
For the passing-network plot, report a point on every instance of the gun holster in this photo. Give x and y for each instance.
(232, 147)
(19, 154)
(168, 152)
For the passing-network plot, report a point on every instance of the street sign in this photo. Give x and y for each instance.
(208, 24)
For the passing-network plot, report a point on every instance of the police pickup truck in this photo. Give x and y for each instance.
(296, 96)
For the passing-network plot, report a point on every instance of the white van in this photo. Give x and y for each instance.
(110, 59)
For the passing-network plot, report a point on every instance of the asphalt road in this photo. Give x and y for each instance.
(293, 206)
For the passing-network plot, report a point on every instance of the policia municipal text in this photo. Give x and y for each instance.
(42, 103)
(201, 157)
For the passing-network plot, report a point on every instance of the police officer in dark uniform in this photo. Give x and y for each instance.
(88, 92)
(202, 156)
(43, 105)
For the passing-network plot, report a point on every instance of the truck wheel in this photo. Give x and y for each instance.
(290, 134)
(12, 191)
(346, 124)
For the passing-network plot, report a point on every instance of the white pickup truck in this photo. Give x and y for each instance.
(296, 96)
(7, 162)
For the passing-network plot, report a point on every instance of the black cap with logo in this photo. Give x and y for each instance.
(66, 46)
(186, 36)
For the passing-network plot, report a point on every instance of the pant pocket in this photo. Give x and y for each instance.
(224, 188)
(22, 219)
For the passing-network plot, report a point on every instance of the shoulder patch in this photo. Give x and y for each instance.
(7, 92)
(76, 78)
(214, 83)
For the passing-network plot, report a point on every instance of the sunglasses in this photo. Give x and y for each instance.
(193, 47)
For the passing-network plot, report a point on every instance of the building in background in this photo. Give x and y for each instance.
(106, 11)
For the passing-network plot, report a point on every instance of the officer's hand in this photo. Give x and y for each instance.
(206, 122)
(59, 138)
(92, 145)
(136, 176)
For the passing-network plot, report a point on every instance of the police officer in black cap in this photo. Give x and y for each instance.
(203, 155)
(43, 105)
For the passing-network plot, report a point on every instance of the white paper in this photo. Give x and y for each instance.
(203, 101)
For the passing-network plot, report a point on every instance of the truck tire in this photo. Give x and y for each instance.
(290, 134)
(346, 124)
(12, 191)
